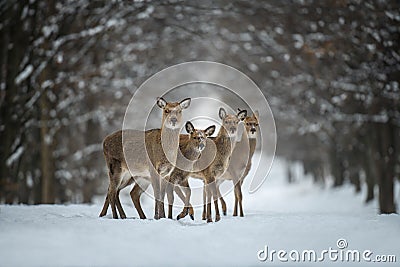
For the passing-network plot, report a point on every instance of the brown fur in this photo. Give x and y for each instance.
(240, 163)
(191, 146)
(146, 160)
(224, 146)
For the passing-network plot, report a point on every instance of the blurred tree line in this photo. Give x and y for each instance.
(330, 70)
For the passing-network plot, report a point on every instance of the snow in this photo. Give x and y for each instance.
(24, 74)
(15, 156)
(282, 216)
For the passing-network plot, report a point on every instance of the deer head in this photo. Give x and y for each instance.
(198, 137)
(230, 122)
(172, 112)
(251, 124)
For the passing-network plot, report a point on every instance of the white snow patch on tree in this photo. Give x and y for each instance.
(15, 156)
(24, 74)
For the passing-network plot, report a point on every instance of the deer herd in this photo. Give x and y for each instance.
(166, 159)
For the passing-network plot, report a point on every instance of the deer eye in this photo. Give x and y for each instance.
(166, 111)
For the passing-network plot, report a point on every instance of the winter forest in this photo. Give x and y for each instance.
(329, 69)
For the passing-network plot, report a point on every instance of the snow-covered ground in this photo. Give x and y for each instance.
(299, 216)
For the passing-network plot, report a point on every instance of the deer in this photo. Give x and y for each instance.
(191, 147)
(224, 142)
(240, 163)
(147, 159)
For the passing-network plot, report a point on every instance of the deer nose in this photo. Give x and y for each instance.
(202, 146)
(253, 130)
(174, 120)
(233, 129)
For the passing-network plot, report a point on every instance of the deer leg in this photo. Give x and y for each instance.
(208, 202)
(215, 198)
(223, 203)
(170, 196)
(208, 211)
(114, 173)
(203, 217)
(119, 206)
(112, 195)
(188, 207)
(179, 193)
(236, 183)
(155, 183)
(162, 197)
(112, 192)
(191, 212)
(136, 192)
(239, 199)
(235, 208)
(105, 207)
(183, 213)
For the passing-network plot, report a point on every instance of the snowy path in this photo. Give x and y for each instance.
(300, 216)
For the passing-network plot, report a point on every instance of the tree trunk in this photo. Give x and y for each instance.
(46, 151)
(46, 139)
(386, 168)
(368, 160)
(336, 167)
(289, 173)
(354, 177)
(370, 174)
(13, 34)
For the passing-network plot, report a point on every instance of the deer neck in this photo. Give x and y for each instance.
(170, 142)
(252, 148)
(243, 139)
(224, 143)
(190, 152)
(187, 156)
(253, 144)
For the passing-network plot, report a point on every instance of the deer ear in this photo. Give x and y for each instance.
(222, 113)
(210, 130)
(189, 127)
(161, 102)
(242, 114)
(256, 114)
(185, 103)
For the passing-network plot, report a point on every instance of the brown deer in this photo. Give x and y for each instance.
(191, 147)
(224, 142)
(240, 163)
(146, 154)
